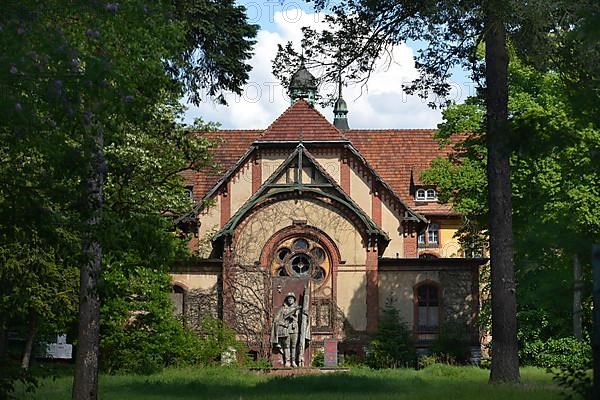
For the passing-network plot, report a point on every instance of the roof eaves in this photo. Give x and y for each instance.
(234, 168)
(267, 143)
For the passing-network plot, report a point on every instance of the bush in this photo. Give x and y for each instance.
(393, 345)
(318, 360)
(11, 374)
(452, 345)
(576, 380)
(215, 339)
(560, 353)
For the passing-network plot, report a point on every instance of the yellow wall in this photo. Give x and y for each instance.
(391, 224)
(360, 191)
(449, 245)
(241, 187)
(396, 290)
(331, 164)
(352, 298)
(204, 281)
(210, 222)
(261, 225)
(270, 161)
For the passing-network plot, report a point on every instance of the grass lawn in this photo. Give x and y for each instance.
(438, 382)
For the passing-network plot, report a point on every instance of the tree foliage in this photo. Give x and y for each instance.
(554, 165)
(90, 150)
(392, 346)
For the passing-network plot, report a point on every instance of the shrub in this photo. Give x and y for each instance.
(428, 360)
(392, 346)
(318, 360)
(452, 345)
(353, 359)
(215, 339)
(11, 374)
(576, 380)
(561, 353)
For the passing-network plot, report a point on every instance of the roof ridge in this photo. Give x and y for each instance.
(393, 130)
(243, 130)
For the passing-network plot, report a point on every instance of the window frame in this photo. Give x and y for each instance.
(423, 238)
(417, 327)
(426, 194)
(432, 197)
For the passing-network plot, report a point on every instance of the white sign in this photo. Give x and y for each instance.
(59, 350)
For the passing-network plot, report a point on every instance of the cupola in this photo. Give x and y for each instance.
(303, 85)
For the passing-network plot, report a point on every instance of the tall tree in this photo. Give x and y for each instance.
(83, 71)
(553, 174)
(361, 31)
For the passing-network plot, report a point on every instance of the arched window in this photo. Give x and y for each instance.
(427, 308)
(430, 194)
(428, 256)
(426, 194)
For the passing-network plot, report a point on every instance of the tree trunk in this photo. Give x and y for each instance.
(577, 286)
(3, 342)
(31, 334)
(505, 361)
(85, 384)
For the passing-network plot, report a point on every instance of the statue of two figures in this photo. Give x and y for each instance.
(291, 329)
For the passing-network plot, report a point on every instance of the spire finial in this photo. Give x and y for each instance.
(340, 110)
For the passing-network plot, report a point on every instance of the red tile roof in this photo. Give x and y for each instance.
(394, 154)
(230, 146)
(301, 119)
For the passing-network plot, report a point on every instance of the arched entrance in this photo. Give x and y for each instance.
(306, 252)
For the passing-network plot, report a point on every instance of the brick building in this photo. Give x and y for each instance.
(312, 198)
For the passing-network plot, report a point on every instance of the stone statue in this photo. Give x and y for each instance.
(289, 325)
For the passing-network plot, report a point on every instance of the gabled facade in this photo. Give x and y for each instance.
(341, 207)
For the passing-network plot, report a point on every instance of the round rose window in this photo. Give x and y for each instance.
(301, 257)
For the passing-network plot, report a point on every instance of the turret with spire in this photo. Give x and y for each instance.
(340, 110)
(303, 85)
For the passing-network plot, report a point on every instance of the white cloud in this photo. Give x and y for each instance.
(381, 105)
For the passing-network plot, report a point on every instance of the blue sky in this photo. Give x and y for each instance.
(382, 104)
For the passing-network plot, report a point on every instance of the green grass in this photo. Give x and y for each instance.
(435, 382)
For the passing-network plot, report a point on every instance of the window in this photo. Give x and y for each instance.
(426, 195)
(429, 238)
(178, 299)
(321, 315)
(430, 194)
(427, 313)
(432, 234)
(302, 257)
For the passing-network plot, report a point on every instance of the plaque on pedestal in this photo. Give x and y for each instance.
(331, 353)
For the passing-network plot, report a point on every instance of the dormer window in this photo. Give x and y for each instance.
(426, 195)
(430, 194)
